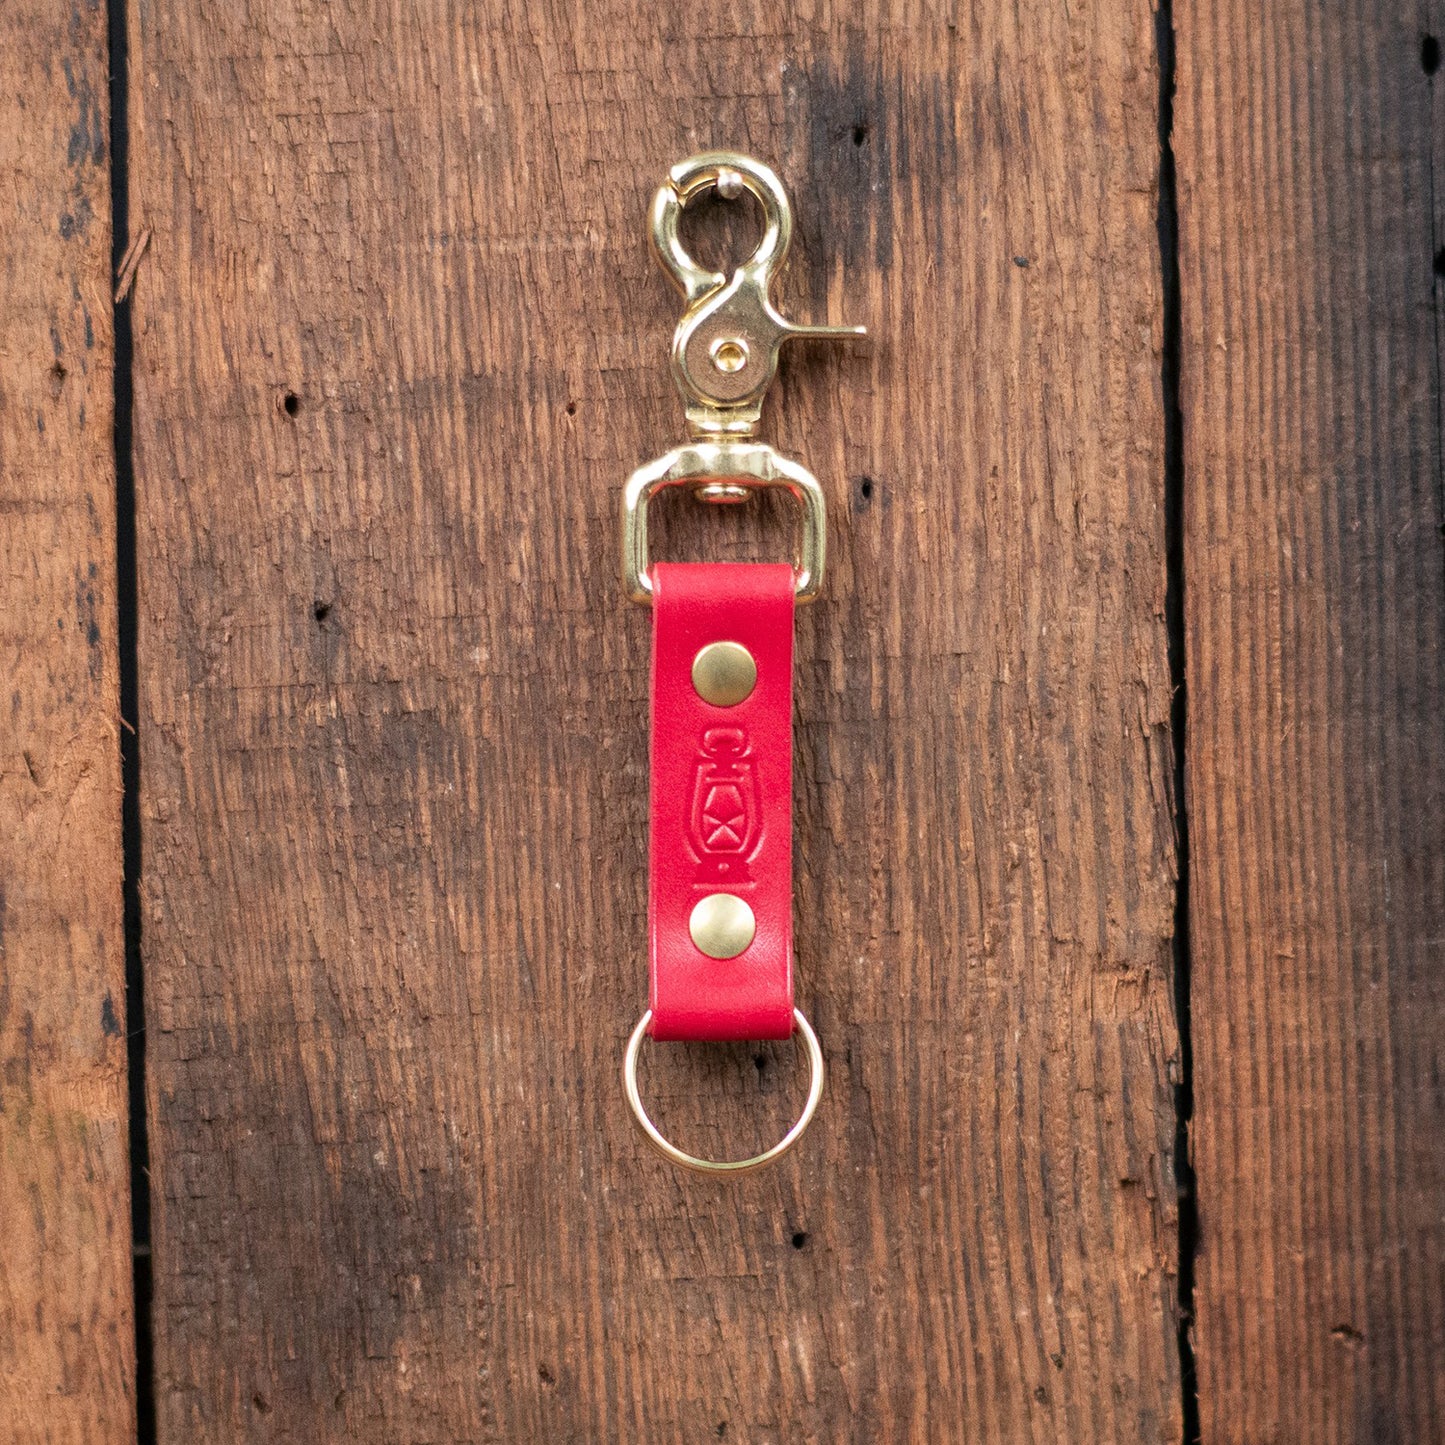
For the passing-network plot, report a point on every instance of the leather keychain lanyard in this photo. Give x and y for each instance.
(721, 879)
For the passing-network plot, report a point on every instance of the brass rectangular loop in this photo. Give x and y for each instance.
(751, 465)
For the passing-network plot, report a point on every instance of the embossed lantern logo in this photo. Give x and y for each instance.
(723, 824)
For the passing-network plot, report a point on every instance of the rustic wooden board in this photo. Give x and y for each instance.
(1307, 142)
(66, 1335)
(398, 342)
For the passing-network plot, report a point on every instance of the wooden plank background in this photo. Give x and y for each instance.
(398, 339)
(1307, 144)
(67, 1366)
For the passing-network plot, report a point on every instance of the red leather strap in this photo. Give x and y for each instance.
(721, 801)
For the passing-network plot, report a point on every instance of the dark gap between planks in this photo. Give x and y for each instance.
(126, 633)
(1168, 223)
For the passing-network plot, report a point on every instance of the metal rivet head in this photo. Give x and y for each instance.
(729, 354)
(722, 925)
(724, 673)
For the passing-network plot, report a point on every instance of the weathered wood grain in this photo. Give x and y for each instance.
(399, 340)
(1308, 140)
(66, 1335)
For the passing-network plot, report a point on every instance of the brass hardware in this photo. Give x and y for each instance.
(724, 673)
(725, 348)
(746, 465)
(724, 355)
(721, 492)
(729, 184)
(722, 925)
(729, 354)
(734, 1167)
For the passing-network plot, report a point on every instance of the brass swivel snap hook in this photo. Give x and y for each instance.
(724, 354)
(725, 348)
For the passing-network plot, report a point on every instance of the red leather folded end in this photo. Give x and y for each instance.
(721, 801)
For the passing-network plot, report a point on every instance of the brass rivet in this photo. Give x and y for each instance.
(729, 354)
(724, 673)
(722, 925)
